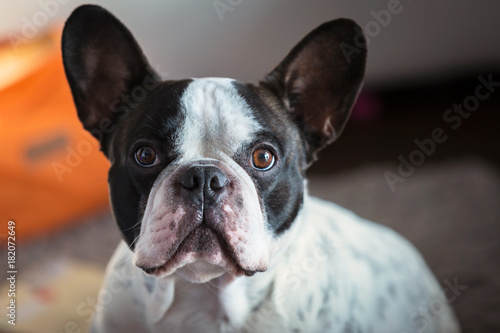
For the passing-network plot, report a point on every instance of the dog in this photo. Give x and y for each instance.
(207, 185)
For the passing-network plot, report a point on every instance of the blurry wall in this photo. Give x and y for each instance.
(245, 38)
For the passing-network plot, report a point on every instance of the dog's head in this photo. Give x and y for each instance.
(207, 174)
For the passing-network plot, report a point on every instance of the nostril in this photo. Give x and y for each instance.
(192, 183)
(218, 182)
(190, 180)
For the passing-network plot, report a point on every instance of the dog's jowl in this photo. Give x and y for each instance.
(207, 187)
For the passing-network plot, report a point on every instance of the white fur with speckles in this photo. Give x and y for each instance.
(340, 273)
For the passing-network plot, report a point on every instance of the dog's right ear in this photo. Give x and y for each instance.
(318, 81)
(103, 63)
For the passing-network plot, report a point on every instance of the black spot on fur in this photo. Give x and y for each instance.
(381, 307)
(310, 300)
(300, 315)
(352, 326)
(149, 284)
(391, 289)
(239, 201)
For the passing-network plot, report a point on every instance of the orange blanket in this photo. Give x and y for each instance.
(51, 170)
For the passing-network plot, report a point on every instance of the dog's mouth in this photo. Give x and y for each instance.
(205, 246)
(198, 234)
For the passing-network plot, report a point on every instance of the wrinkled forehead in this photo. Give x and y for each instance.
(217, 119)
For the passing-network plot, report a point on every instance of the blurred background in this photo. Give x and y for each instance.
(420, 153)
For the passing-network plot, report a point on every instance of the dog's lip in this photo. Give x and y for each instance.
(227, 251)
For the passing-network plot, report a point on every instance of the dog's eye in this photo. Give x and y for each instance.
(262, 159)
(146, 157)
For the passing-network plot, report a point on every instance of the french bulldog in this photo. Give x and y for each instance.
(207, 185)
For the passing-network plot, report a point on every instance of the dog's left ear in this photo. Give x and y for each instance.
(319, 80)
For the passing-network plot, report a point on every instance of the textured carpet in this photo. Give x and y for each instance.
(450, 211)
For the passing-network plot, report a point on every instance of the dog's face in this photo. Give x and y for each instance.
(207, 174)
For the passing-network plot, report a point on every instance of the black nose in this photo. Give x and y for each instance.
(204, 182)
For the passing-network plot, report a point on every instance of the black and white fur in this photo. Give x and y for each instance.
(212, 243)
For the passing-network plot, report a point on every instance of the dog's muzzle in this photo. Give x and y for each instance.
(200, 215)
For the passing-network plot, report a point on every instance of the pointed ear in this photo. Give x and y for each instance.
(318, 81)
(103, 63)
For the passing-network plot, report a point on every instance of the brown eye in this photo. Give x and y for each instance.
(146, 157)
(262, 159)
